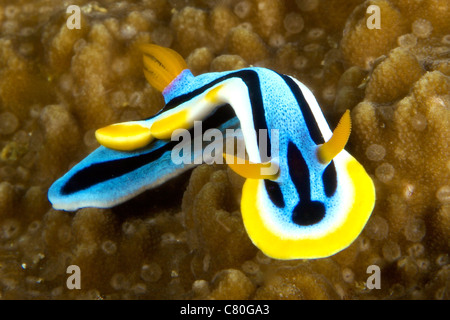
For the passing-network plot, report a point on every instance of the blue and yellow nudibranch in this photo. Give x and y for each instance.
(315, 205)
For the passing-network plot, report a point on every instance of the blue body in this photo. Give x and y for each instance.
(284, 115)
(310, 203)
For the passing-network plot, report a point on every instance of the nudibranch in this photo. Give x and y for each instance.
(313, 205)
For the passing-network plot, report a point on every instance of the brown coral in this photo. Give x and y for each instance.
(385, 87)
(214, 224)
(361, 45)
(58, 85)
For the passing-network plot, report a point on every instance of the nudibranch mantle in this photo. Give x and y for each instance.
(182, 83)
(314, 207)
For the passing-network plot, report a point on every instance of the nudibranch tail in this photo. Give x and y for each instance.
(330, 149)
(126, 136)
(161, 65)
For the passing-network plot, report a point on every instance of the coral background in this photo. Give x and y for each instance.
(186, 240)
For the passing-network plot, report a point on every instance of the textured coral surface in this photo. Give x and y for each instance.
(186, 239)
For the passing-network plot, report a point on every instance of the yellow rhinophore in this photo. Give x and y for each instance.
(330, 149)
(161, 65)
(164, 127)
(125, 136)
